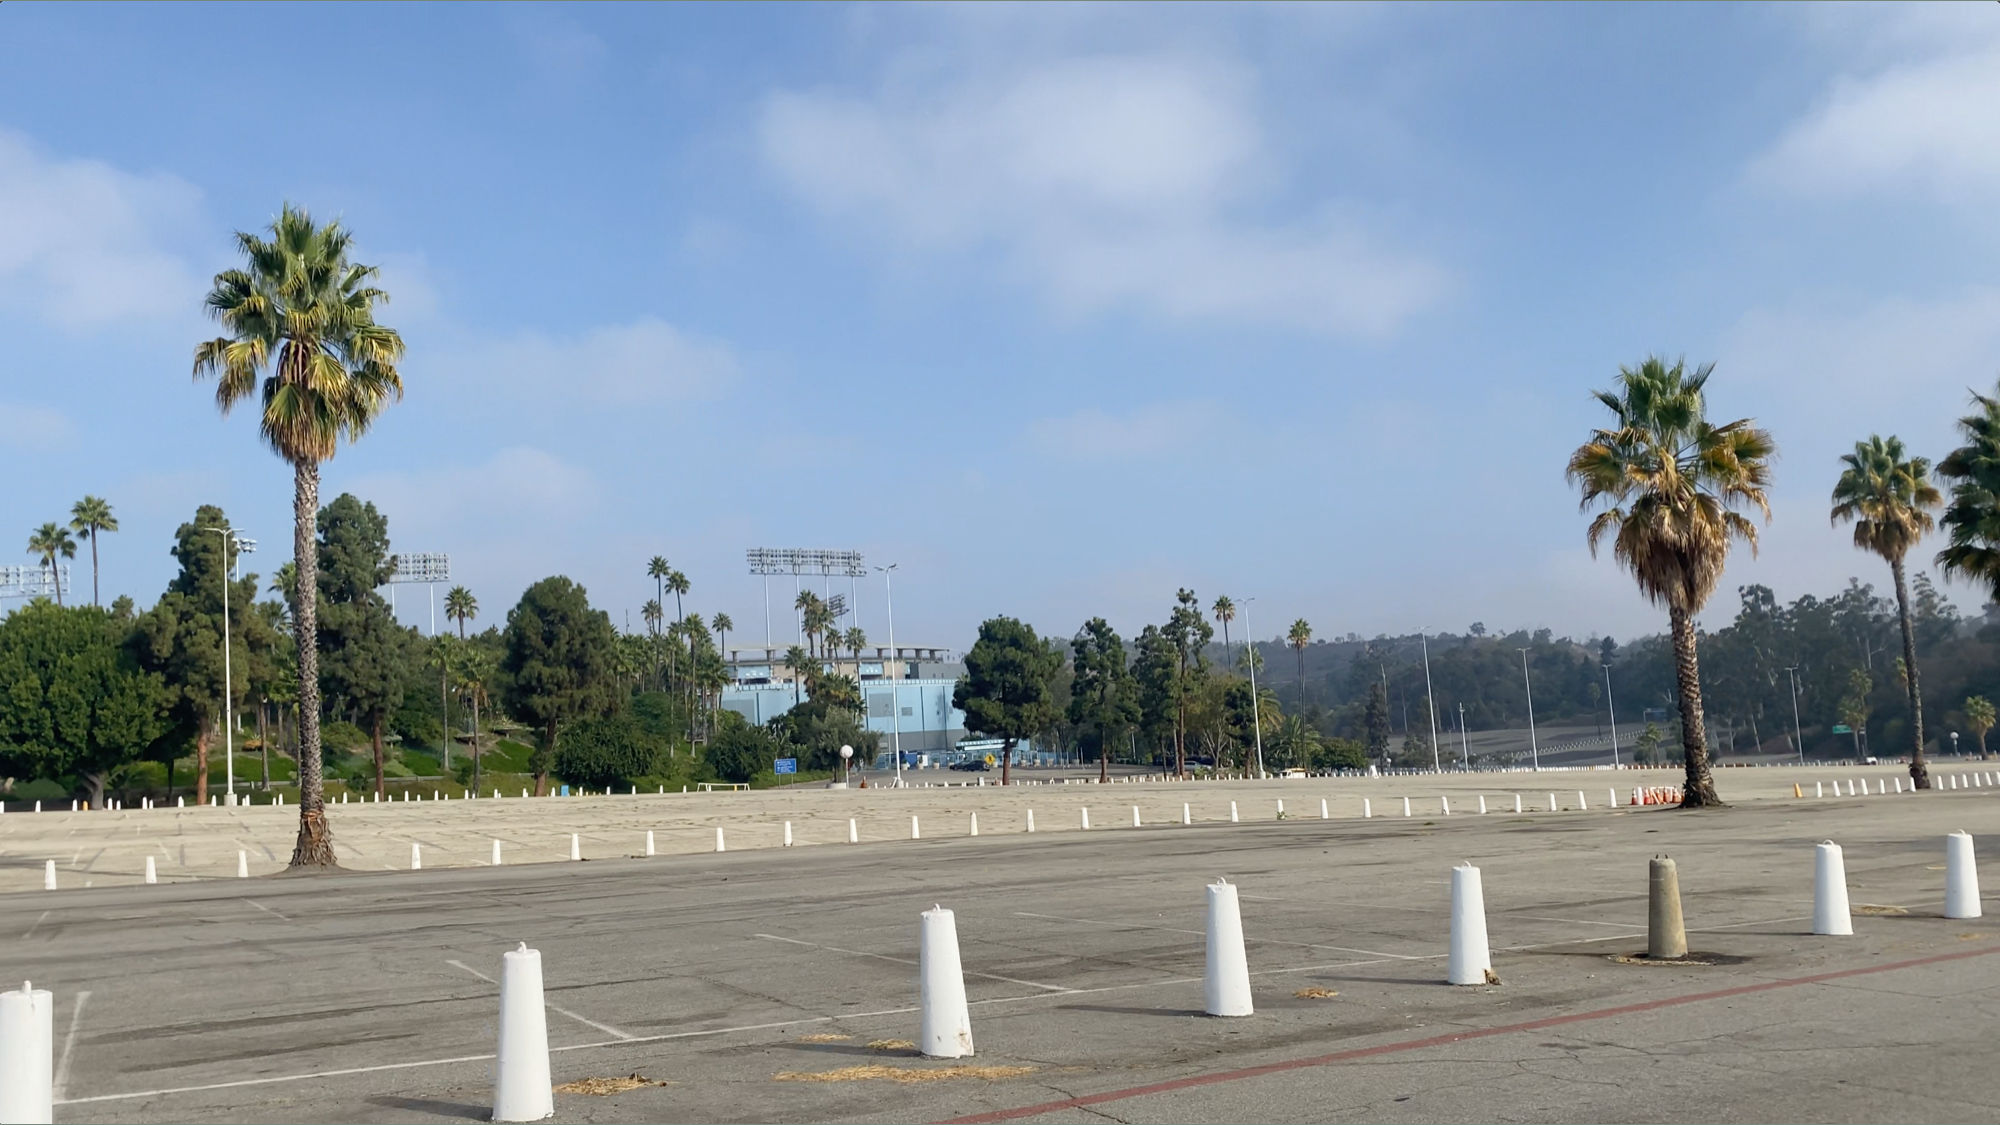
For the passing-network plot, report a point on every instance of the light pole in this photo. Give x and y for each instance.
(1534, 751)
(846, 753)
(895, 663)
(1464, 751)
(1431, 702)
(1613, 708)
(1797, 733)
(1256, 708)
(232, 545)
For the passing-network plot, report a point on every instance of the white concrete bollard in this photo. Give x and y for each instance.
(27, 1055)
(1406, 806)
(524, 794)
(1482, 804)
(496, 853)
(575, 846)
(38, 806)
(1136, 822)
(72, 804)
(179, 802)
(1581, 804)
(1850, 787)
(719, 845)
(522, 1089)
(242, 865)
(916, 832)
(1187, 814)
(1819, 788)
(1445, 802)
(152, 873)
(972, 829)
(1899, 785)
(1961, 877)
(1225, 981)
(49, 875)
(1471, 961)
(1323, 814)
(1281, 810)
(853, 831)
(1517, 804)
(416, 857)
(1831, 916)
(1553, 807)
(649, 843)
(1232, 812)
(1085, 820)
(944, 1023)
(1367, 809)
(788, 833)
(1611, 798)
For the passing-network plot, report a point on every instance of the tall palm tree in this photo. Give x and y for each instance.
(677, 585)
(1225, 612)
(722, 625)
(302, 316)
(1672, 482)
(1889, 497)
(854, 640)
(90, 517)
(657, 570)
(799, 663)
(460, 606)
(1300, 635)
(1979, 716)
(50, 542)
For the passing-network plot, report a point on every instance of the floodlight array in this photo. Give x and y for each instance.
(422, 566)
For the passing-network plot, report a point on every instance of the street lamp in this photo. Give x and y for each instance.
(240, 545)
(1954, 744)
(1464, 751)
(895, 703)
(846, 752)
(1534, 751)
(1431, 702)
(1256, 709)
(1797, 733)
(1613, 708)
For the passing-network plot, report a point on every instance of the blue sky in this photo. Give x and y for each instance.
(1060, 308)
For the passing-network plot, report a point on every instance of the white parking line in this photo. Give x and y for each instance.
(605, 1028)
(910, 961)
(1200, 933)
(69, 1044)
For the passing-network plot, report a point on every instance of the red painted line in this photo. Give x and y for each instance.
(1451, 1037)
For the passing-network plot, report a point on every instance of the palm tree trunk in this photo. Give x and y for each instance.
(315, 843)
(1006, 759)
(94, 600)
(1302, 683)
(1103, 756)
(475, 744)
(375, 737)
(1920, 774)
(1700, 788)
(201, 765)
(264, 743)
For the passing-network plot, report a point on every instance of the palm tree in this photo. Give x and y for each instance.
(803, 604)
(50, 542)
(722, 625)
(854, 640)
(1889, 498)
(798, 662)
(460, 606)
(677, 585)
(657, 570)
(301, 314)
(1673, 483)
(1300, 635)
(1979, 716)
(90, 517)
(1225, 612)
(475, 668)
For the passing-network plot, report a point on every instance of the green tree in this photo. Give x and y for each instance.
(739, 751)
(1104, 697)
(1672, 484)
(1853, 707)
(658, 569)
(677, 585)
(1005, 692)
(91, 517)
(1889, 497)
(1154, 668)
(1225, 612)
(303, 316)
(1375, 720)
(559, 664)
(363, 652)
(1979, 716)
(475, 667)
(73, 701)
(803, 667)
(722, 625)
(606, 750)
(460, 606)
(49, 543)
(1189, 632)
(1646, 751)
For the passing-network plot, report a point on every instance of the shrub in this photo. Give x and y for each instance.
(607, 751)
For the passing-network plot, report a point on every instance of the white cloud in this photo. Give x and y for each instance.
(645, 361)
(1096, 435)
(85, 244)
(1108, 181)
(517, 486)
(33, 429)
(1915, 112)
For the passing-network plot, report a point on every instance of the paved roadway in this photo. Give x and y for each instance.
(368, 996)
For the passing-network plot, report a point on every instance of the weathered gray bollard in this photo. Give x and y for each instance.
(1666, 934)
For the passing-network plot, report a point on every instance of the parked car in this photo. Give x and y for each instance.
(972, 765)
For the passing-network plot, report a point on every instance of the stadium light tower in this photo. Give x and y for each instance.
(895, 662)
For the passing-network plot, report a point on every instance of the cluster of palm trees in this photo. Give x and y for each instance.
(824, 641)
(52, 542)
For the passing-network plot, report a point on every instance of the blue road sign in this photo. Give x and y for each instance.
(785, 765)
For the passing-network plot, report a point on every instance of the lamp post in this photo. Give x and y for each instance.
(1798, 734)
(1534, 751)
(1954, 744)
(1613, 708)
(846, 752)
(1430, 701)
(895, 704)
(1464, 751)
(232, 545)
(1256, 709)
